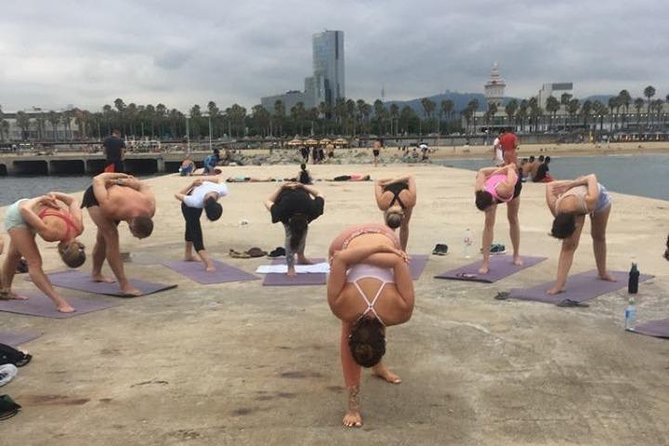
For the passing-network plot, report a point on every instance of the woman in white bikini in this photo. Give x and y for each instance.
(570, 201)
(369, 288)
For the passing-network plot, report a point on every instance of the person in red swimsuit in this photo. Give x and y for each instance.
(56, 217)
(509, 142)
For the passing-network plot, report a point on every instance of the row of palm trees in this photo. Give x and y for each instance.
(344, 117)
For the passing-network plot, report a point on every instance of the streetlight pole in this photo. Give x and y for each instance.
(187, 135)
(209, 131)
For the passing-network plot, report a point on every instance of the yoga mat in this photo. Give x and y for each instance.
(500, 267)
(195, 271)
(580, 287)
(659, 329)
(81, 281)
(280, 279)
(40, 305)
(417, 265)
(278, 268)
(14, 338)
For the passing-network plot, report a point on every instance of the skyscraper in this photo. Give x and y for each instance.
(327, 84)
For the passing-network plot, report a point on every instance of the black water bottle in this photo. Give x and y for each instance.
(633, 282)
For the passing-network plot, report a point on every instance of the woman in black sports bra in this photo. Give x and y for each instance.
(396, 197)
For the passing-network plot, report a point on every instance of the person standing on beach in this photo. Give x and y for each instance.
(369, 288)
(113, 147)
(112, 198)
(56, 217)
(396, 197)
(509, 143)
(295, 205)
(202, 193)
(497, 152)
(494, 186)
(570, 201)
(376, 151)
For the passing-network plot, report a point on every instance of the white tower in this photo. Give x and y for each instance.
(494, 88)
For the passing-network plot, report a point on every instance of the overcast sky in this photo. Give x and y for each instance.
(180, 53)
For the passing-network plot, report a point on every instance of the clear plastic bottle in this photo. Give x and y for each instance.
(630, 315)
(468, 240)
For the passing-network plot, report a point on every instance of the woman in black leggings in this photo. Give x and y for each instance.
(202, 193)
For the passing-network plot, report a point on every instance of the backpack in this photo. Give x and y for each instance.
(10, 355)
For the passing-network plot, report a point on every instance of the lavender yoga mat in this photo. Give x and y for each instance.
(195, 271)
(280, 279)
(14, 338)
(417, 265)
(659, 329)
(580, 287)
(77, 280)
(500, 267)
(40, 305)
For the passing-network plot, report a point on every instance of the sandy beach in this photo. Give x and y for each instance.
(243, 364)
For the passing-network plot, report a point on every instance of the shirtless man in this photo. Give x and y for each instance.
(112, 198)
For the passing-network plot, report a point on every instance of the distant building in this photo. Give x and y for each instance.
(555, 89)
(494, 88)
(327, 84)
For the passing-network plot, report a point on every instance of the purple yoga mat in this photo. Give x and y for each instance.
(659, 329)
(14, 338)
(78, 280)
(417, 265)
(195, 271)
(40, 305)
(281, 279)
(580, 287)
(500, 267)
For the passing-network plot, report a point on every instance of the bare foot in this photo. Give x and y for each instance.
(517, 260)
(301, 260)
(555, 290)
(484, 269)
(209, 267)
(10, 295)
(352, 419)
(190, 259)
(383, 372)
(608, 277)
(130, 290)
(103, 279)
(65, 308)
(291, 272)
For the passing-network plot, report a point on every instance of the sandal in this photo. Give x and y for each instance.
(278, 252)
(571, 303)
(238, 255)
(256, 252)
(8, 408)
(440, 249)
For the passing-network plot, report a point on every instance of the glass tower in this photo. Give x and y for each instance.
(327, 83)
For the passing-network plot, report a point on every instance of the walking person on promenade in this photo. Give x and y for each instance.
(201, 193)
(295, 205)
(369, 288)
(56, 217)
(570, 201)
(509, 143)
(396, 197)
(112, 198)
(113, 147)
(493, 186)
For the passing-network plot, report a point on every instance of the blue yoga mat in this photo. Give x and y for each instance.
(500, 267)
(38, 304)
(18, 337)
(78, 280)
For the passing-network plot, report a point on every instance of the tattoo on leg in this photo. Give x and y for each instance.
(354, 398)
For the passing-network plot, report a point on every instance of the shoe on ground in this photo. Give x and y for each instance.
(7, 373)
(440, 249)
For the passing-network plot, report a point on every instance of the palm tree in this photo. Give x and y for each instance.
(638, 105)
(53, 119)
(614, 106)
(279, 115)
(522, 113)
(394, 117)
(552, 107)
(572, 108)
(535, 112)
(625, 100)
(490, 114)
(297, 114)
(447, 107)
(586, 109)
(510, 109)
(649, 92)
(23, 121)
(470, 111)
(379, 113)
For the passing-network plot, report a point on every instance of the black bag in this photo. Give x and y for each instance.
(10, 355)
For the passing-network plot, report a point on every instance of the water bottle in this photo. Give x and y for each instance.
(468, 240)
(630, 315)
(633, 281)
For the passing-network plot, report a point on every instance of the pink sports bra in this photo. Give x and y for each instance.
(491, 184)
(71, 227)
